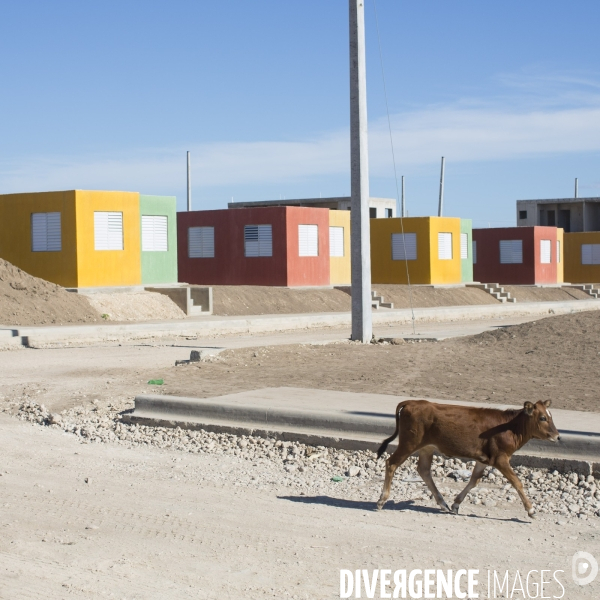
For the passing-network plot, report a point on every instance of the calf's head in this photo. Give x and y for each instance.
(539, 420)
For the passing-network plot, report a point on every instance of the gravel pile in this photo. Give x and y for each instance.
(310, 469)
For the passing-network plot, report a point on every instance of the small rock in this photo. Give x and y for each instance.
(353, 471)
(54, 419)
(88, 480)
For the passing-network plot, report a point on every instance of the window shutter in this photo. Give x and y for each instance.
(545, 252)
(586, 254)
(590, 254)
(39, 234)
(445, 246)
(201, 242)
(464, 246)
(108, 230)
(46, 234)
(336, 241)
(258, 240)
(308, 240)
(511, 252)
(404, 246)
(557, 251)
(154, 233)
(474, 248)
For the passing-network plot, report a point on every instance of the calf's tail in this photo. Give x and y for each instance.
(387, 441)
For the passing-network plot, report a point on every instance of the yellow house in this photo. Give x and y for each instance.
(582, 257)
(339, 247)
(73, 238)
(429, 247)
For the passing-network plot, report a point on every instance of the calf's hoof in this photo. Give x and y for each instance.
(531, 513)
(380, 505)
(455, 508)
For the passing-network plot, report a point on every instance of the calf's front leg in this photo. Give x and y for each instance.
(503, 465)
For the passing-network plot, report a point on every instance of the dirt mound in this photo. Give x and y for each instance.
(136, 306)
(567, 332)
(28, 300)
(262, 300)
(424, 296)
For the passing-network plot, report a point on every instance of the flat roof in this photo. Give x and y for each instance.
(563, 200)
(301, 201)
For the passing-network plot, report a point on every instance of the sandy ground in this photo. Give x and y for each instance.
(28, 300)
(555, 358)
(103, 521)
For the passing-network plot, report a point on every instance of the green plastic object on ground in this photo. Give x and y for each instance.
(337, 478)
(156, 382)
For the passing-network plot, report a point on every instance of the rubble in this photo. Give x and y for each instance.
(305, 467)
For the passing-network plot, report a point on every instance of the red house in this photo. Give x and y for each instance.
(280, 245)
(517, 255)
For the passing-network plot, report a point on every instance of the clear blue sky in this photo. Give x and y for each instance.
(110, 95)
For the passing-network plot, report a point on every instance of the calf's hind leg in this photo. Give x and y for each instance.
(424, 469)
(475, 477)
(391, 464)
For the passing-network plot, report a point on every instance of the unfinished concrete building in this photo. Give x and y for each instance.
(570, 214)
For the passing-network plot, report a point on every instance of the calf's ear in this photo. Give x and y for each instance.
(548, 403)
(528, 407)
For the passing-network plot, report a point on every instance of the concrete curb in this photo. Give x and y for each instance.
(577, 451)
(32, 336)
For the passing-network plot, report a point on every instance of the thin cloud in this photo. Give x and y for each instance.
(462, 132)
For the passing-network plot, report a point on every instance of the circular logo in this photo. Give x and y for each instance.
(585, 568)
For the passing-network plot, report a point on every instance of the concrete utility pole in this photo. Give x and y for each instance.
(360, 238)
(189, 184)
(441, 203)
(576, 188)
(403, 208)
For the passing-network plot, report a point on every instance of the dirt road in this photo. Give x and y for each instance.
(555, 358)
(158, 524)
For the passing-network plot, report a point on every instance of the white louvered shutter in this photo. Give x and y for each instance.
(201, 242)
(511, 252)
(557, 251)
(445, 246)
(545, 252)
(464, 246)
(474, 254)
(108, 230)
(154, 233)
(258, 240)
(336, 241)
(46, 234)
(404, 246)
(308, 240)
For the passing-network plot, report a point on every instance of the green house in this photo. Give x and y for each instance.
(158, 216)
(466, 250)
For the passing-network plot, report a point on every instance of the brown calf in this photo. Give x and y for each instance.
(486, 435)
